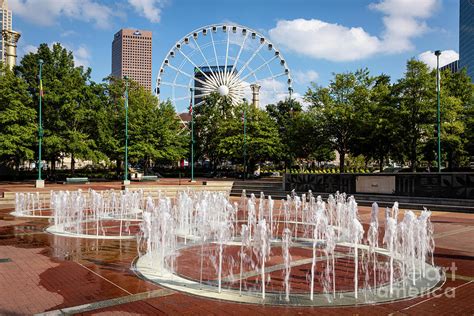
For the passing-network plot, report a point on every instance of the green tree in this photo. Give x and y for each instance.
(110, 121)
(17, 119)
(378, 131)
(338, 108)
(286, 116)
(308, 140)
(67, 111)
(209, 118)
(262, 140)
(415, 97)
(155, 131)
(457, 113)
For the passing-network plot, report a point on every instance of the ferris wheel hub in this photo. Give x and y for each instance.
(223, 90)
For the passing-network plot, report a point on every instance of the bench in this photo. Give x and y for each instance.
(149, 178)
(76, 180)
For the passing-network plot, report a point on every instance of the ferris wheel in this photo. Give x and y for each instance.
(232, 60)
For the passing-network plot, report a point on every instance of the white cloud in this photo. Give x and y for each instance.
(24, 49)
(408, 8)
(318, 39)
(46, 12)
(446, 57)
(403, 20)
(29, 49)
(304, 77)
(150, 9)
(82, 56)
(68, 33)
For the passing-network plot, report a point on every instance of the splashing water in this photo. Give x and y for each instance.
(286, 245)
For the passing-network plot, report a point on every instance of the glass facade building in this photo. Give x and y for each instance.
(466, 36)
(453, 67)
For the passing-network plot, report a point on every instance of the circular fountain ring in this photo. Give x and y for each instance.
(56, 230)
(401, 290)
(23, 215)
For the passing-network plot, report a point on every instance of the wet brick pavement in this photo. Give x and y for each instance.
(41, 273)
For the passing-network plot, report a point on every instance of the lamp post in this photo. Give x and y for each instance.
(437, 53)
(39, 181)
(245, 138)
(191, 111)
(125, 177)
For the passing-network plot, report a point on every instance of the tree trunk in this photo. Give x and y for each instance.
(145, 166)
(381, 163)
(53, 166)
(413, 156)
(342, 158)
(451, 160)
(73, 164)
(118, 167)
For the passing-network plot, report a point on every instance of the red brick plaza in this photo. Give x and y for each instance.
(45, 273)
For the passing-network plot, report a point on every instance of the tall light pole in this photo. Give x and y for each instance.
(39, 181)
(191, 111)
(245, 138)
(437, 53)
(125, 177)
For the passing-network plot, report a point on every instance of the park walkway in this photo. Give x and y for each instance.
(43, 273)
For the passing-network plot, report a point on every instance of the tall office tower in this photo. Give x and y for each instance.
(131, 56)
(466, 36)
(5, 24)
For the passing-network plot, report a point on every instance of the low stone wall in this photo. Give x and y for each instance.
(375, 184)
(456, 185)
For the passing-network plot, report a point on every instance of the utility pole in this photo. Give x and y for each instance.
(191, 111)
(40, 182)
(245, 139)
(125, 177)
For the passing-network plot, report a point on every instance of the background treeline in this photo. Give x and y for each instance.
(82, 119)
(368, 120)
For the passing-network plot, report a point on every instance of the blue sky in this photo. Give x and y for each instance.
(316, 37)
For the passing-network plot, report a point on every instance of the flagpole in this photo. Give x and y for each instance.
(437, 53)
(192, 133)
(40, 182)
(245, 139)
(125, 178)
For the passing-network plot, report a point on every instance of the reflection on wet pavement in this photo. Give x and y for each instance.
(40, 272)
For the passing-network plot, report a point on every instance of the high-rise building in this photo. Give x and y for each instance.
(5, 24)
(453, 66)
(466, 36)
(131, 56)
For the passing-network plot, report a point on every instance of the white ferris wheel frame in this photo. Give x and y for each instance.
(212, 80)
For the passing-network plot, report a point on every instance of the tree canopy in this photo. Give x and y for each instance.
(369, 118)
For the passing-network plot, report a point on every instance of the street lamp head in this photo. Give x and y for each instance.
(40, 61)
(437, 52)
(125, 77)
